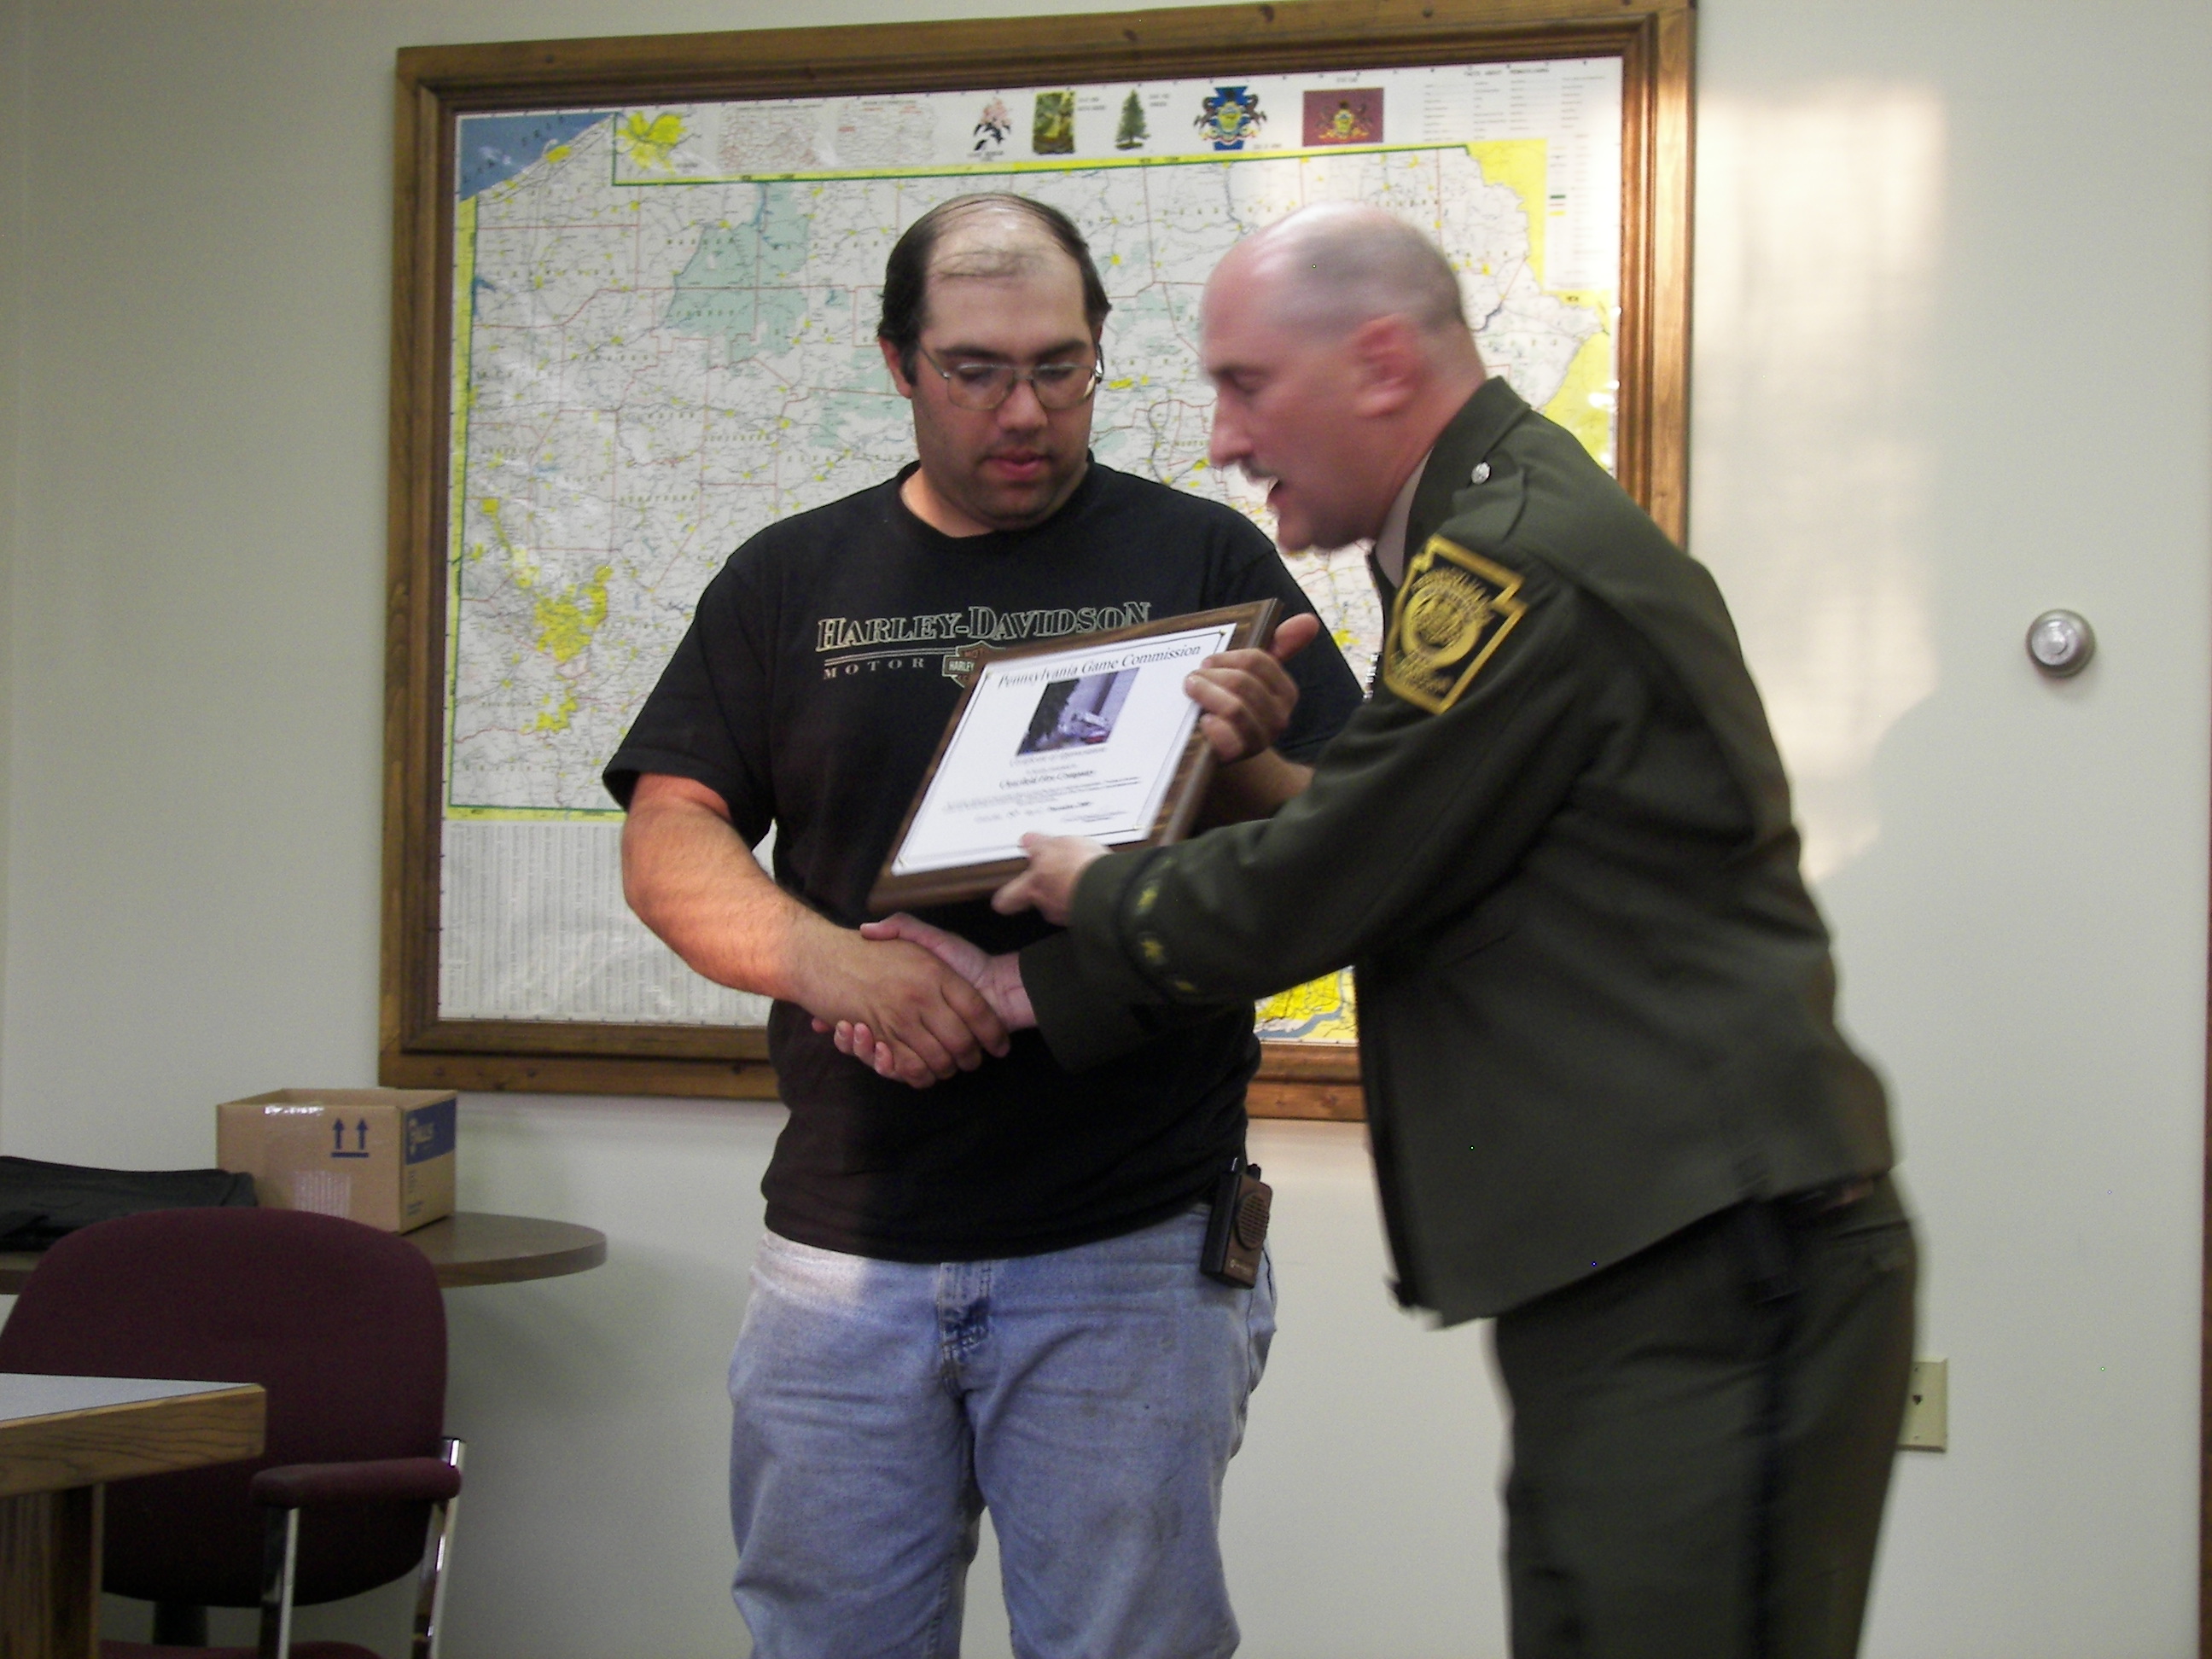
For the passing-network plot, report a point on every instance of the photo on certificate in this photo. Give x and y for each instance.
(1078, 711)
(1090, 735)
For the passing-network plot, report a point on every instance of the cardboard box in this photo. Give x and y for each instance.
(380, 1156)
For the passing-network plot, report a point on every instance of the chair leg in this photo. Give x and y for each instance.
(280, 1554)
(430, 1588)
(179, 1625)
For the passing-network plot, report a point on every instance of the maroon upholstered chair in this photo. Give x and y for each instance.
(344, 1327)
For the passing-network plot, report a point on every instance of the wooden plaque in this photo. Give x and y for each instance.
(1250, 624)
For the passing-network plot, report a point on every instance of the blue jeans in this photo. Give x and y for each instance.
(1091, 1398)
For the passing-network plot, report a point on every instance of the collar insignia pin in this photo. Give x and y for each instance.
(1481, 473)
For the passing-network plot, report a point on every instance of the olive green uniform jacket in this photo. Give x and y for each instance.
(1595, 1000)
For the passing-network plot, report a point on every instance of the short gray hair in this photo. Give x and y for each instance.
(1343, 264)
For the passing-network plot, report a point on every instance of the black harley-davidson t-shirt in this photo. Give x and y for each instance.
(809, 693)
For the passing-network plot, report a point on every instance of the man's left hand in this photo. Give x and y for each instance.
(1048, 886)
(1246, 698)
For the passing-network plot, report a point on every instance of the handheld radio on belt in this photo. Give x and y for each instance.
(1238, 1230)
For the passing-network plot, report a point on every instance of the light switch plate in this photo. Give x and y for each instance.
(1928, 1406)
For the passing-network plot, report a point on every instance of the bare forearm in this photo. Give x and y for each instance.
(1254, 788)
(692, 879)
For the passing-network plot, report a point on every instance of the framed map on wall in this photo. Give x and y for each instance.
(636, 307)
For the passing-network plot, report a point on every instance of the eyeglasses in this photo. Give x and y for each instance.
(986, 385)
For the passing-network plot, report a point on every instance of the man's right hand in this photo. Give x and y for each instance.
(925, 1021)
(997, 978)
(693, 880)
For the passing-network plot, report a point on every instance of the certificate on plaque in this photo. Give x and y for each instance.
(1090, 735)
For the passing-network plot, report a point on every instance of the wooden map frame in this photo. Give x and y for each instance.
(436, 85)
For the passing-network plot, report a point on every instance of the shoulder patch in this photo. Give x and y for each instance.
(1455, 608)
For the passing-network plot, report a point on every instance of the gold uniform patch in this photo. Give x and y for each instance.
(1451, 614)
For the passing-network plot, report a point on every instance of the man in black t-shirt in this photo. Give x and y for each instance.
(987, 1294)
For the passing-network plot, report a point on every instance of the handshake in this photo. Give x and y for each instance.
(926, 1025)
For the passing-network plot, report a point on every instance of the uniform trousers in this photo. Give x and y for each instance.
(1091, 1398)
(1703, 1435)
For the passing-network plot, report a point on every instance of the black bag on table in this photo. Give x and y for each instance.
(42, 1202)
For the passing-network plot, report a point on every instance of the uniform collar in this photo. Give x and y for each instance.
(1425, 500)
(1460, 447)
(1390, 545)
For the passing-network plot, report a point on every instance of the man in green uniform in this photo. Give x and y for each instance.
(1608, 1103)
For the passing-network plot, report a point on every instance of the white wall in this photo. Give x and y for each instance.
(14, 265)
(1927, 409)
(1951, 369)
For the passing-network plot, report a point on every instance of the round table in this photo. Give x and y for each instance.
(467, 1247)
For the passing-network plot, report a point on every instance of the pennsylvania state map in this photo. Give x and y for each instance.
(664, 339)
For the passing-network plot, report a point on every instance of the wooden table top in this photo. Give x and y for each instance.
(469, 1247)
(58, 1432)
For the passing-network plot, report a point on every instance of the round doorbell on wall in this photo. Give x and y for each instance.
(2061, 643)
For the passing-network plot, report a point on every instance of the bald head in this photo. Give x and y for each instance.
(1332, 266)
(989, 239)
(1338, 351)
(992, 237)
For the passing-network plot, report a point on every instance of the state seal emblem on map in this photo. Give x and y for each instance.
(1352, 115)
(1229, 116)
(1453, 612)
